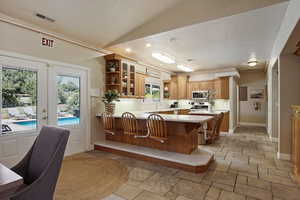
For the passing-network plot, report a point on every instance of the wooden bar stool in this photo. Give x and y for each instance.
(220, 120)
(129, 123)
(108, 123)
(207, 132)
(157, 128)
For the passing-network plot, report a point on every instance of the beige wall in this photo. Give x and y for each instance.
(252, 79)
(97, 79)
(21, 41)
(289, 82)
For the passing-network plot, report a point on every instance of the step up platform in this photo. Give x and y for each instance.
(196, 162)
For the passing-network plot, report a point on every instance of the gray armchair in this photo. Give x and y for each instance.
(41, 165)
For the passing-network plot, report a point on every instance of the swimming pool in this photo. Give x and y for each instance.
(61, 122)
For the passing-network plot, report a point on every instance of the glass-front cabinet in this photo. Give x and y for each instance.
(125, 76)
(128, 79)
(124, 83)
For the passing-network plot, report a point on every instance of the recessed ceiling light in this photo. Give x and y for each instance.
(184, 68)
(128, 49)
(252, 62)
(163, 58)
(148, 45)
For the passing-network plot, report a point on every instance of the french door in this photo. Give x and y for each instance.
(34, 94)
(67, 104)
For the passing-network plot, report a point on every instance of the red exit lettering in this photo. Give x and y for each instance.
(47, 42)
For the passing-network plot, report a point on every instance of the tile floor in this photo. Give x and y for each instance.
(245, 168)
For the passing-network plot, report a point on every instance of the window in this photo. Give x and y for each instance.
(152, 91)
(19, 100)
(68, 107)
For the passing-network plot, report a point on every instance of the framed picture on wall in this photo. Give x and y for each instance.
(256, 94)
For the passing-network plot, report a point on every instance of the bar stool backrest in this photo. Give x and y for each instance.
(130, 124)
(157, 128)
(108, 123)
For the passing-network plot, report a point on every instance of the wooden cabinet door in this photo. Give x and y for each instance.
(182, 86)
(140, 85)
(222, 88)
(225, 123)
(173, 88)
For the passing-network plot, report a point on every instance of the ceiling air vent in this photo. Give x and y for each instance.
(43, 17)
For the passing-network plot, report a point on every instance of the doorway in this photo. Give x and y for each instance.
(34, 94)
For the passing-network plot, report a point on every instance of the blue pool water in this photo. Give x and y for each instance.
(61, 122)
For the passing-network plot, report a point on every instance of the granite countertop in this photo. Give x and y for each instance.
(212, 112)
(170, 117)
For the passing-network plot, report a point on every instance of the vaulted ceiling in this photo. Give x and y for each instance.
(221, 43)
(213, 33)
(96, 22)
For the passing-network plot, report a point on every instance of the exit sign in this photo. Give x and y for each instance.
(47, 42)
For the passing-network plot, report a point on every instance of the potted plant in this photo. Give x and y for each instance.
(108, 99)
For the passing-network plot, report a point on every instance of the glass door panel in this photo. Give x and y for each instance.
(67, 105)
(124, 79)
(68, 100)
(19, 99)
(132, 80)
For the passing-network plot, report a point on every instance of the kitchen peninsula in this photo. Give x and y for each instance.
(180, 150)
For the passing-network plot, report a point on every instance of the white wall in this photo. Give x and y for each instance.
(233, 104)
(25, 42)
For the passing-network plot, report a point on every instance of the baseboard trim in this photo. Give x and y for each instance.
(283, 156)
(231, 131)
(222, 133)
(251, 124)
(273, 139)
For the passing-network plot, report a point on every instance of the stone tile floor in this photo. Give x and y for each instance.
(245, 168)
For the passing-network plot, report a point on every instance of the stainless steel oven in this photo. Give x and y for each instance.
(201, 94)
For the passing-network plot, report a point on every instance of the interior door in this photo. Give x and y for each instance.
(23, 100)
(68, 104)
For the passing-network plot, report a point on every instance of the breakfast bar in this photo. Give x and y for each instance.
(179, 150)
(181, 129)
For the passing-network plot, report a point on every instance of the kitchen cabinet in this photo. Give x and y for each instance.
(180, 88)
(120, 75)
(140, 85)
(173, 90)
(182, 81)
(199, 85)
(225, 122)
(177, 87)
(221, 86)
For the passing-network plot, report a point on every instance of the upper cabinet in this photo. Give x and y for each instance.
(176, 88)
(140, 85)
(222, 88)
(121, 75)
(180, 88)
(128, 79)
(173, 88)
(182, 82)
(199, 85)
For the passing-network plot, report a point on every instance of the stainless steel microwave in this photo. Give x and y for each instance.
(201, 94)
